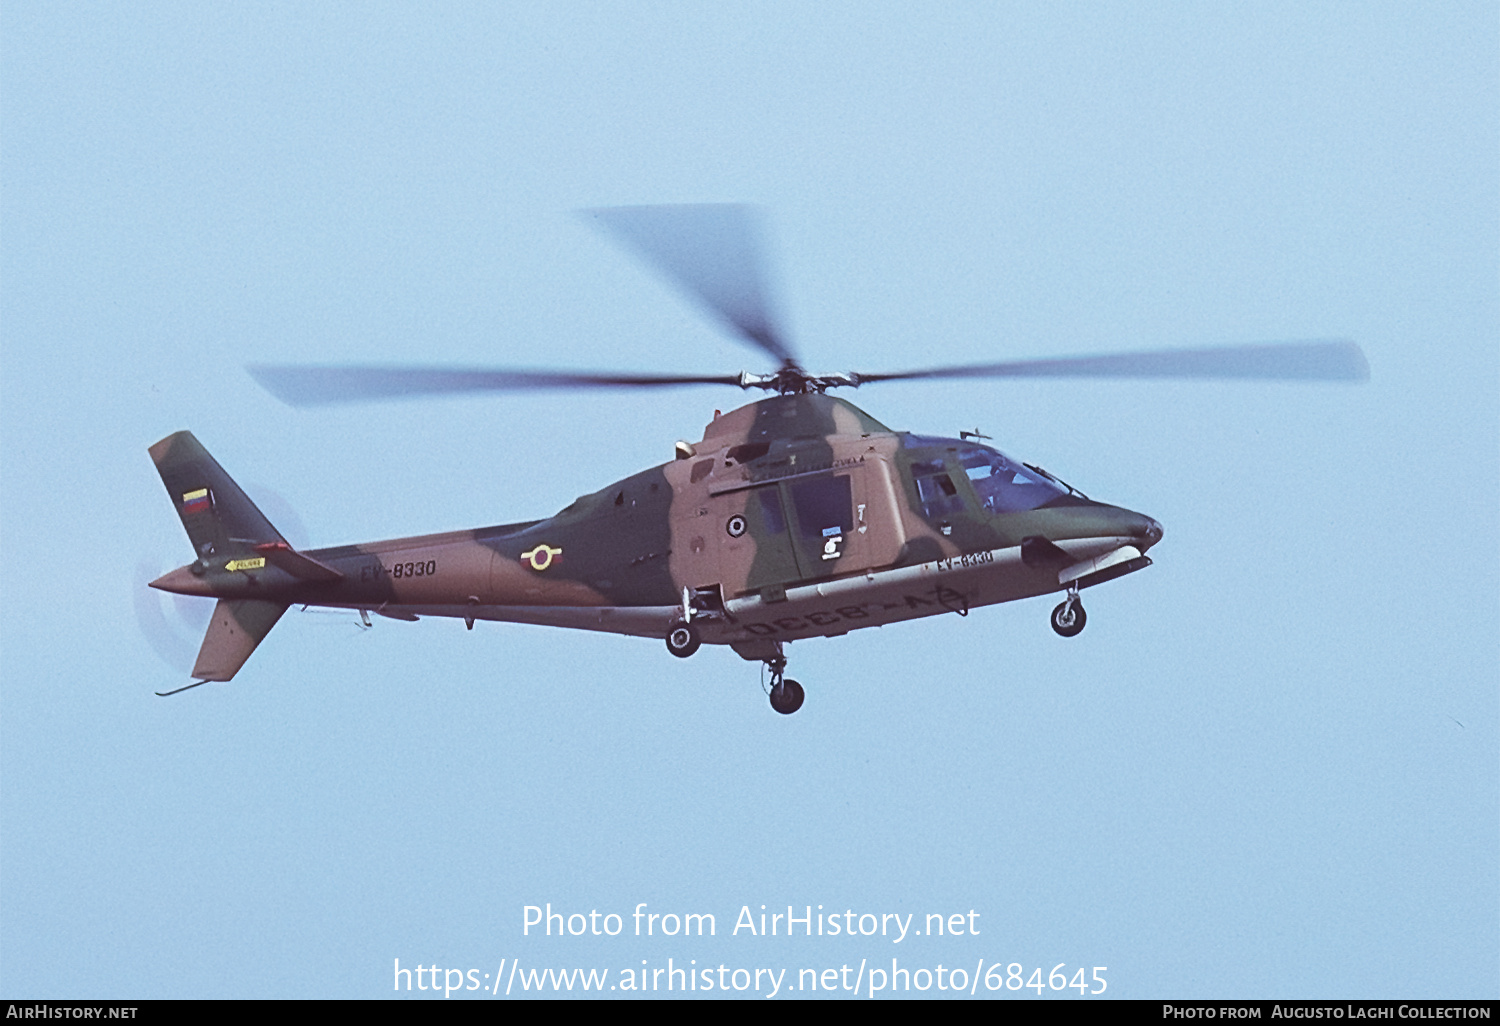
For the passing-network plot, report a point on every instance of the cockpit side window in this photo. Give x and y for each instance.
(935, 489)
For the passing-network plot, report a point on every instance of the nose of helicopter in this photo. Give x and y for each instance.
(1146, 531)
(1091, 519)
(1149, 532)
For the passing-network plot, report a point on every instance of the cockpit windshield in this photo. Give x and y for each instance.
(1004, 485)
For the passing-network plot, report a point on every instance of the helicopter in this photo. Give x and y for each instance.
(794, 517)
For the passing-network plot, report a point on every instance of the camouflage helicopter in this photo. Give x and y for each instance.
(797, 516)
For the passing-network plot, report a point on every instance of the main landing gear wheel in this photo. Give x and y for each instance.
(1068, 618)
(683, 640)
(787, 696)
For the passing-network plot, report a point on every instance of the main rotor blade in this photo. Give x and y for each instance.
(1312, 360)
(321, 386)
(714, 252)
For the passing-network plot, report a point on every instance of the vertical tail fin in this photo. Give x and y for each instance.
(220, 520)
(216, 514)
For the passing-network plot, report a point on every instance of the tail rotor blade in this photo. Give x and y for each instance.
(171, 624)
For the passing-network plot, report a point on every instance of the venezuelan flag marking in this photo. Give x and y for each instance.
(197, 502)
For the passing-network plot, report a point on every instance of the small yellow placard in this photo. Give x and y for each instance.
(246, 564)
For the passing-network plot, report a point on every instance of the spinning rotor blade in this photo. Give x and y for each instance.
(714, 252)
(172, 625)
(1313, 360)
(321, 386)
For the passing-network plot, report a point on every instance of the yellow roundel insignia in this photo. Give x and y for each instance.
(541, 557)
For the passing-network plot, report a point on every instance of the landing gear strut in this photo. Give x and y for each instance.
(1068, 618)
(786, 694)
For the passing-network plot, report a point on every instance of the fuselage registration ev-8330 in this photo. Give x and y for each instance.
(794, 517)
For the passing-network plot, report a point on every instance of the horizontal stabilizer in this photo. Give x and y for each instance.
(280, 554)
(236, 628)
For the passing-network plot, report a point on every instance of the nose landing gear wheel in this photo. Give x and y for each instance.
(787, 696)
(683, 640)
(1068, 618)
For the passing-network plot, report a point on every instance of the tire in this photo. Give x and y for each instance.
(1068, 622)
(787, 697)
(683, 640)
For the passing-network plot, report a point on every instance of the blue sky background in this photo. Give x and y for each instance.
(1268, 767)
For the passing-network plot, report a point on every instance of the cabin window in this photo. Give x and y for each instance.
(824, 505)
(748, 452)
(771, 513)
(702, 469)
